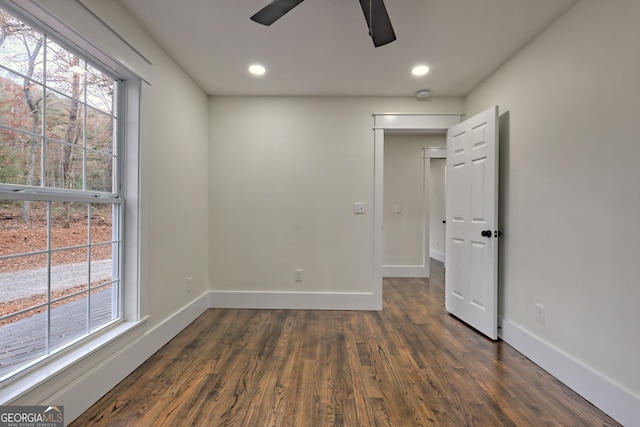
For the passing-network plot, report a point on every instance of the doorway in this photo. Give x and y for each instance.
(437, 206)
(471, 208)
(414, 202)
(396, 123)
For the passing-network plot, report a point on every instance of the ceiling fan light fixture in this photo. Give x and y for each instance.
(420, 70)
(257, 70)
(375, 13)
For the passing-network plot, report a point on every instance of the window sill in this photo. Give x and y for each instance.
(42, 382)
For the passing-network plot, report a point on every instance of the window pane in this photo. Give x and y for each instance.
(22, 49)
(18, 236)
(101, 265)
(15, 111)
(65, 71)
(63, 166)
(99, 132)
(20, 158)
(69, 224)
(13, 157)
(68, 320)
(30, 343)
(104, 303)
(64, 119)
(23, 293)
(102, 225)
(100, 90)
(23, 283)
(99, 172)
(69, 271)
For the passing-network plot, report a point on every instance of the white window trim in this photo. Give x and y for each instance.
(130, 179)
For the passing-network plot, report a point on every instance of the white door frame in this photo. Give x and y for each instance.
(430, 153)
(395, 122)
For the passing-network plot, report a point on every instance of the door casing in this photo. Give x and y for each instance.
(395, 122)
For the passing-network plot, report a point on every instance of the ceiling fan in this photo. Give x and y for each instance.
(375, 13)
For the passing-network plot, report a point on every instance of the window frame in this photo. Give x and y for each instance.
(126, 196)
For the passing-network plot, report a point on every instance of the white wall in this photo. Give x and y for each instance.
(403, 240)
(176, 183)
(285, 173)
(174, 173)
(571, 201)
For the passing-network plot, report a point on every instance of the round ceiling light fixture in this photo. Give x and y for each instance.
(257, 69)
(422, 94)
(420, 70)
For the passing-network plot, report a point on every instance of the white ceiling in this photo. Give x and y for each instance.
(322, 47)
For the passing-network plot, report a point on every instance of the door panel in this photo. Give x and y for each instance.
(478, 185)
(455, 251)
(472, 212)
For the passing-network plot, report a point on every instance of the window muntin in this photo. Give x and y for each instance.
(60, 204)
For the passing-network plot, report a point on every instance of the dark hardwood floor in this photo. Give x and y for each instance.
(409, 365)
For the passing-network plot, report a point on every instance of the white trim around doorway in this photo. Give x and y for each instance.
(395, 122)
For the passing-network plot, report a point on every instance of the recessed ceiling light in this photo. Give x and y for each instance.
(420, 70)
(257, 70)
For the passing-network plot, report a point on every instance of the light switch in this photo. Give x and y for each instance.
(398, 208)
(358, 208)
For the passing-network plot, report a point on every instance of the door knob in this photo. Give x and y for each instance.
(486, 233)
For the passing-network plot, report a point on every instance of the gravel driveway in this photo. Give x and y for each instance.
(24, 283)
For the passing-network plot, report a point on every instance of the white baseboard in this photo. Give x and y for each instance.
(296, 300)
(86, 379)
(404, 271)
(437, 255)
(613, 399)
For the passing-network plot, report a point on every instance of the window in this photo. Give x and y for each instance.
(61, 201)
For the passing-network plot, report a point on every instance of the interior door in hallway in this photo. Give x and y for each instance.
(471, 280)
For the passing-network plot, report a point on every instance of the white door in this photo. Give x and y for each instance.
(471, 277)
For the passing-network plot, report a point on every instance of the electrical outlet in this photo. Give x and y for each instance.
(189, 284)
(297, 275)
(540, 313)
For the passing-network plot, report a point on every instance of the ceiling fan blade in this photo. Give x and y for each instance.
(274, 11)
(380, 28)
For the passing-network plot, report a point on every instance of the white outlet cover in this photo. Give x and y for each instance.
(359, 208)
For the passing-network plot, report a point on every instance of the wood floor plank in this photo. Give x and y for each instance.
(411, 364)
